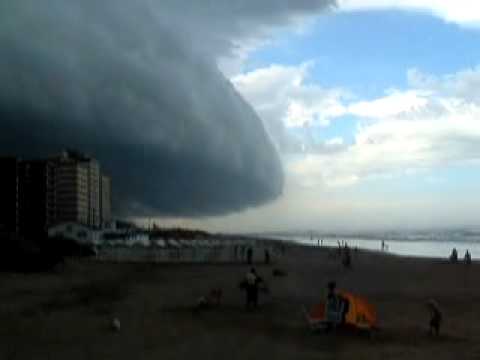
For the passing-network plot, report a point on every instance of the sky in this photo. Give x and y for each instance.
(374, 108)
(255, 116)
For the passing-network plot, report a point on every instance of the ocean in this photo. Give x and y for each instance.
(437, 248)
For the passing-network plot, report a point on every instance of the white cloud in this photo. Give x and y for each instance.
(281, 92)
(433, 124)
(462, 85)
(393, 104)
(463, 12)
(283, 99)
(436, 125)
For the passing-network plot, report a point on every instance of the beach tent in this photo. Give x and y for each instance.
(361, 314)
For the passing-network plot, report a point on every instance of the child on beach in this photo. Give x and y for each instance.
(435, 317)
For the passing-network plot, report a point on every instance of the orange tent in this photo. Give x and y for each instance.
(360, 313)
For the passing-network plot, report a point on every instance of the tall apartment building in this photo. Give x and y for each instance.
(8, 195)
(71, 190)
(37, 194)
(78, 183)
(36, 197)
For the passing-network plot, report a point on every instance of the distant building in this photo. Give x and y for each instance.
(76, 232)
(38, 194)
(71, 191)
(78, 179)
(36, 197)
(8, 195)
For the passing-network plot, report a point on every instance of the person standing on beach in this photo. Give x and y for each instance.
(236, 251)
(468, 258)
(252, 281)
(347, 258)
(241, 252)
(435, 317)
(332, 306)
(454, 256)
(267, 257)
(249, 255)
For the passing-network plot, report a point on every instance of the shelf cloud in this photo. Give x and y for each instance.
(137, 85)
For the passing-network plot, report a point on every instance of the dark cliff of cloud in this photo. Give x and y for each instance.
(135, 84)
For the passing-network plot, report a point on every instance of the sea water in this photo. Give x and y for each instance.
(419, 247)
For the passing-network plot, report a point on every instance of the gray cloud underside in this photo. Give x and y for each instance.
(136, 84)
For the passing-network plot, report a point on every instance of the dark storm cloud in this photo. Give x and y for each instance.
(135, 84)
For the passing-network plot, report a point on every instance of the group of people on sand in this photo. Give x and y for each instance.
(252, 283)
(454, 257)
(245, 253)
(336, 306)
(242, 252)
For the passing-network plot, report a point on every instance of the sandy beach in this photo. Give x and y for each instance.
(67, 314)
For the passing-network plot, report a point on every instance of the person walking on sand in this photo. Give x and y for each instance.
(454, 256)
(267, 257)
(249, 255)
(242, 253)
(347, 258)
(252, 281)
(235, 252)
(435, 317)
(468, 258)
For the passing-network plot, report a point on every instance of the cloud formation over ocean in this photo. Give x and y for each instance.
(137, 85)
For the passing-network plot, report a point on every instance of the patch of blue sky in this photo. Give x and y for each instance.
(368, 52)
(344, 127)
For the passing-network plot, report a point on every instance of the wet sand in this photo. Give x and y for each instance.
(67, 314)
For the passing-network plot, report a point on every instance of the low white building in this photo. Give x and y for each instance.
(77, 232)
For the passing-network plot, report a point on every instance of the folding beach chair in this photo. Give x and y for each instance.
(316, 317)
